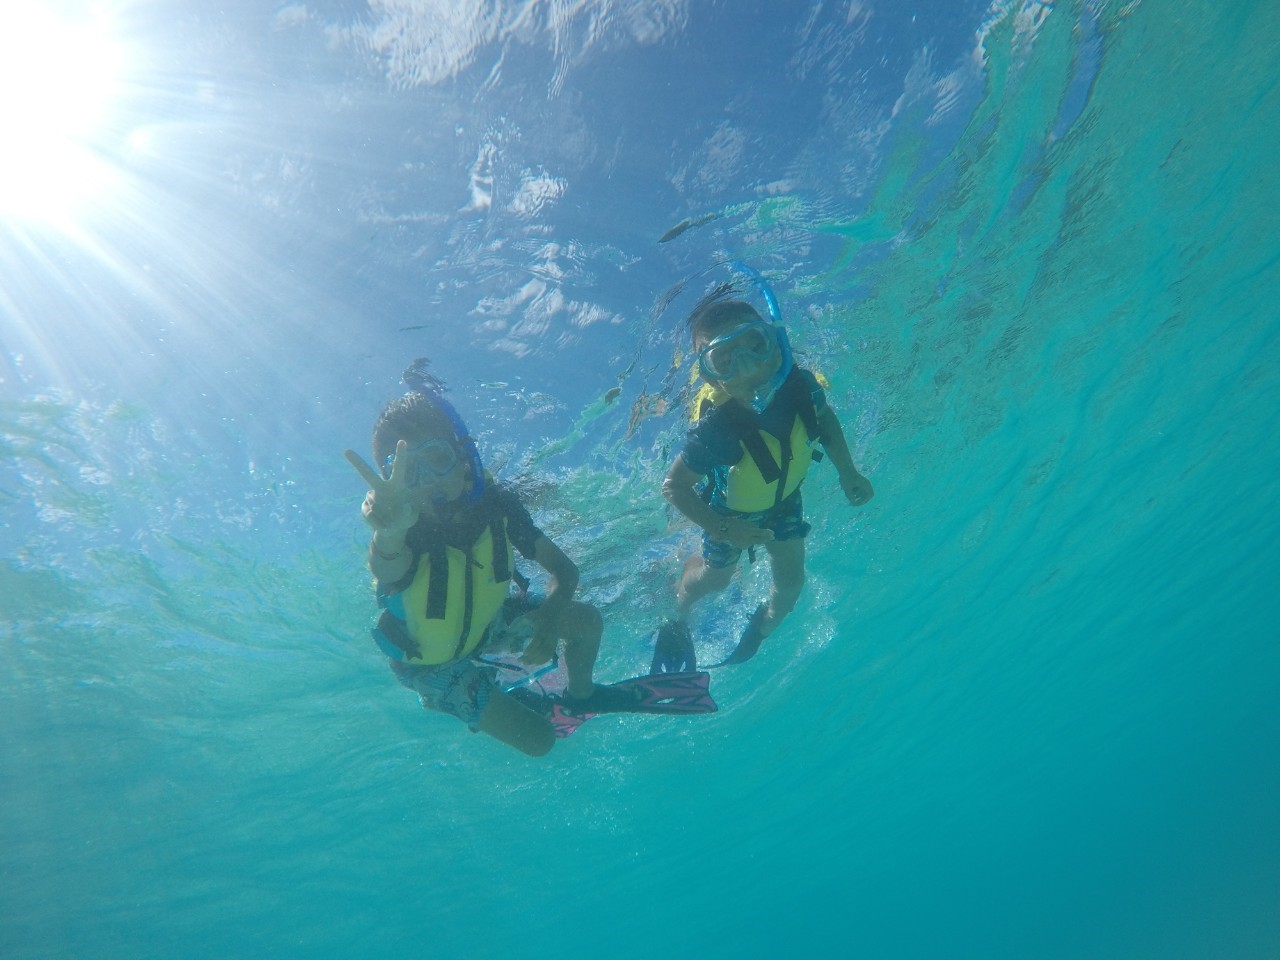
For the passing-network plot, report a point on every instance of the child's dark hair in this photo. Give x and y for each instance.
(417, 414)
(714, 313)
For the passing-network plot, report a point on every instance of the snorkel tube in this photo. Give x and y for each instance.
(762, 285)
(765, 394)
(418, 378)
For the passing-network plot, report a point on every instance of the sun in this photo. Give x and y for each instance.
(59, 78)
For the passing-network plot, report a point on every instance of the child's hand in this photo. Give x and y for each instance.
(742, 534)
(857, 489)
(388, 507)
(542, 647)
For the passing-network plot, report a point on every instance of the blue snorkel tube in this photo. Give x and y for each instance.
(784, 369)
(418, 378)
(762, 285)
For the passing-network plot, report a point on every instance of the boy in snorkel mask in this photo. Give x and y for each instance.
(739, 474)
(442, 556)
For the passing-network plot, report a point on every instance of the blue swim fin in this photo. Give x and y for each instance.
(749, 643)
(673, 649)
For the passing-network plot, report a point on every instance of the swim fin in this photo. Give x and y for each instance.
(749, 643)
(673, 649)
(664, 693)
(686, 692)
(564, 722)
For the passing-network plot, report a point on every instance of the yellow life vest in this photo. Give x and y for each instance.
(747, 491)
(768, 471)
(454, 595)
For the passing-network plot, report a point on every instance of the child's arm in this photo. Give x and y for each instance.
(546, 618)
(679, 489)
(857, 488)
(387, 509)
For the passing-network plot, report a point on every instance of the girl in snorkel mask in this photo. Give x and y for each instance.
(443, 555)
(759, 418)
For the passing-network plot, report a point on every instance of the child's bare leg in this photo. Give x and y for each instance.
(581, 627)
(786, 557)
(699, 580)
(516, 725)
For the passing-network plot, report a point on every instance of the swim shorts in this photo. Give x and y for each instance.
(462, 688)
(786, 520)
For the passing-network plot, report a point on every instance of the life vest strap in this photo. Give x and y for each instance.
(749, 433)
(468, 604)
(392, 629)
(498, 531)
(747, 425)
(438, 579)
(521, 581)
(438, 584)
(802, 401)
(784, 468)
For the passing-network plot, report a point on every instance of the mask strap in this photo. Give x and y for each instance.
(469, 452)
(418, 378)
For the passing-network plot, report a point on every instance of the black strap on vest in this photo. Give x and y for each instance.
(501, 569)
(393, 628)
(746, 423)
(468, 603)
(796, 392)
(438, 579)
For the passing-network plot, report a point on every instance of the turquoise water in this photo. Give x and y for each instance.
(1028, 709)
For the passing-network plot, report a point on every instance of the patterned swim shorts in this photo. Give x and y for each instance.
(786, 520)
(462, 687)
(459, 687)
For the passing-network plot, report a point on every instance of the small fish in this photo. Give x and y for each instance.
(689, 223)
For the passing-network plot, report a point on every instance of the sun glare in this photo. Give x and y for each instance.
(58, 80)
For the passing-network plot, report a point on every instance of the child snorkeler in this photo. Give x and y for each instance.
(441, 553)
(738, 476)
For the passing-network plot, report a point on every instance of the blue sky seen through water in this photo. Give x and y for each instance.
(288, 134)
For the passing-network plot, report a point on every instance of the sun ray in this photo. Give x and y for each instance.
(59, 79)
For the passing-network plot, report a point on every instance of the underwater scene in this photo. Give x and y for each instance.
(1026, 704)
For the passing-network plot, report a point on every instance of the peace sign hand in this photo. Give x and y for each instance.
(388, 507)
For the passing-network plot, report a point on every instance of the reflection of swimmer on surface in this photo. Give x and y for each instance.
(579, 430)
(758, 418)
(646, 405)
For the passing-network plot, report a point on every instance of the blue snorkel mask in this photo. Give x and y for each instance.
(766, 392)
(432, 459)
(732, 288)
(418, 378)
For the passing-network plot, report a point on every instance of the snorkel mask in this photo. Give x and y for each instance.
(716, 368)
(738, 352)
(756, 337)
(433, 458)
(436, 456)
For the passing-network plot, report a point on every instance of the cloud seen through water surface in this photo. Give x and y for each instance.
(423, 42)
